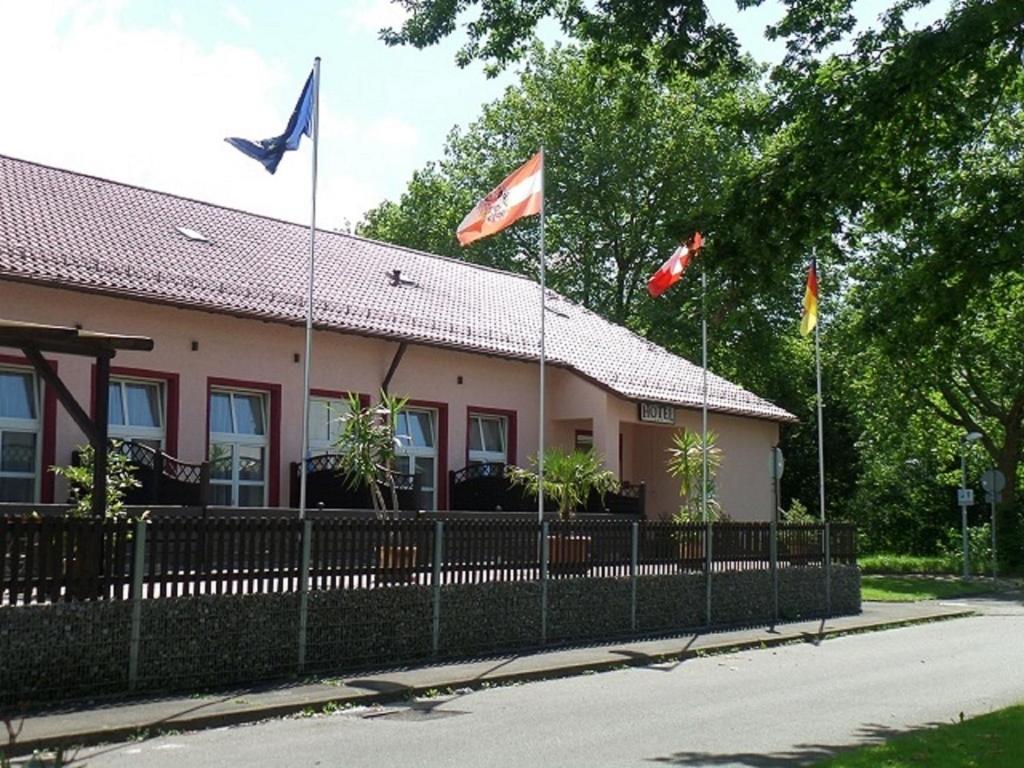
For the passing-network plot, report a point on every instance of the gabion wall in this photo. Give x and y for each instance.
(64, 651)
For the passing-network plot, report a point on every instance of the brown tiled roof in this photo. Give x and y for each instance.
(82, 232)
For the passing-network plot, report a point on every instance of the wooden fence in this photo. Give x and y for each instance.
(49, 559)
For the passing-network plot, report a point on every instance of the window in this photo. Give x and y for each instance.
(417, 454)
(137, 411)
(488, 439)
(238, 448)
(19, 435)
(325, 414)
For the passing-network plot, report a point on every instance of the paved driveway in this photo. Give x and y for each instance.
(778, 707)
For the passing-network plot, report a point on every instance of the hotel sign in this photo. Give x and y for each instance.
(657, 413)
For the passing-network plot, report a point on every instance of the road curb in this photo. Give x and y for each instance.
(403, 692)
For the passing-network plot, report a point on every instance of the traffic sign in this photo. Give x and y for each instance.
(993, 497)
(965, 497)
(993, 480)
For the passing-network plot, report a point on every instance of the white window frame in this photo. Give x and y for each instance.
(405, 450)
(487, 457)
(126, 431)
(236, 441)
(337, 407)
(33, 426)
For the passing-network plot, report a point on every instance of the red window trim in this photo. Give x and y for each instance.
(442, 447)
(512, 437)
(274, 461)
(172, 389)
(48, 449)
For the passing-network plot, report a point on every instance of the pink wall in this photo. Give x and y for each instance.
(263, 354)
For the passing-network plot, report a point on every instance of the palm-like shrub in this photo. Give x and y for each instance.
(367, 448)
(686, 463)
(568, 477)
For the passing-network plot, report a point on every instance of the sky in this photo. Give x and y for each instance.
(144, 91)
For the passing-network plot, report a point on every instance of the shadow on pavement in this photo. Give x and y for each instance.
(801, 754)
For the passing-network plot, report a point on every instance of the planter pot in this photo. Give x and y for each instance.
(568, 555)
(396, 563)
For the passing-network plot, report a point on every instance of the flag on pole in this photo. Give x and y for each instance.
(520, 194)
(672, 270)
(270, 151)
(810, 316)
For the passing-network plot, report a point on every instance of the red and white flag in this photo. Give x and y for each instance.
(672, 270)
(521, 194)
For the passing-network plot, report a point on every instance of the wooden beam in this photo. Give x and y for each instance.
(47, 374)
(399, 354)
(99, 443)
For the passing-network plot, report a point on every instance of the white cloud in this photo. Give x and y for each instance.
(376, 14)
(237, 16)
(149, 106)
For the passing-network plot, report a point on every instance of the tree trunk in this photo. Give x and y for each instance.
(1008, 533)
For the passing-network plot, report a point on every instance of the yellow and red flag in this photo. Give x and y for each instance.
(671, 272)
(810, 317)
(520, 194)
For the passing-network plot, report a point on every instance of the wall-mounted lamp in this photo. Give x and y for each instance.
(195, 346)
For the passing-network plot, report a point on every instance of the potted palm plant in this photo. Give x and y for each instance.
(686, 463)
(367, 449)
(569, 478)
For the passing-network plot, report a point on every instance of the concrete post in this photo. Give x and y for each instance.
(634, 558)
(436, 584)
(828, 569)
(707, 572)
(138, 577)
(307, 548)
(773, 549)
(544, 555)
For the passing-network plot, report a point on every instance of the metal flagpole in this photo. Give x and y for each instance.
(543, 318)
(309, 297)
(704, 408)
(821, 431)
(704, 440)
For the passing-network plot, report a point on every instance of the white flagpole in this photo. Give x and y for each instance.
(704, 409)
(309, 297)
(821, 427)
(543, 318)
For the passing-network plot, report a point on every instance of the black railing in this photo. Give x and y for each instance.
(328, 487)
(486, 488)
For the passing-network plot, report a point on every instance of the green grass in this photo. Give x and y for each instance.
(905, 589)
(890, 563)
(990, 741)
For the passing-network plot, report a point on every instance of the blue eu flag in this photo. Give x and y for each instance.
(270, 151)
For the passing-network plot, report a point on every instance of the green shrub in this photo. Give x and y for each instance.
(892, 563)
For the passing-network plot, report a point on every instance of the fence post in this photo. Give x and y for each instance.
(828, 568)
(436, 583)
(544, 554)
(138, 575)
(307, 548)
(707, 572)
(634, 563)
(773, 554)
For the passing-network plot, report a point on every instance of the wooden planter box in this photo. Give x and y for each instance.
(396, 563)
(569, 555)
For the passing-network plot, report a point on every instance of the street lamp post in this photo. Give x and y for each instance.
(970, 437)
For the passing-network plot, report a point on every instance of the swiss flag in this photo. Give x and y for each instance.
(672, 270)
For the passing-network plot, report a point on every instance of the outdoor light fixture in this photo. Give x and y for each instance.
(195, 346)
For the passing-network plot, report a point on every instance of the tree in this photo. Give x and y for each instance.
(633, 165)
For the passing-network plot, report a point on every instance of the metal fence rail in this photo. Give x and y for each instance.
(53, 559)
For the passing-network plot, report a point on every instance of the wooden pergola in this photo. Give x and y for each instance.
(34, 339)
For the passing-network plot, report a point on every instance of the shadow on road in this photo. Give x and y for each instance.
(800, 754)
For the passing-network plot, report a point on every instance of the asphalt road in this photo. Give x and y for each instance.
(780, 707)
